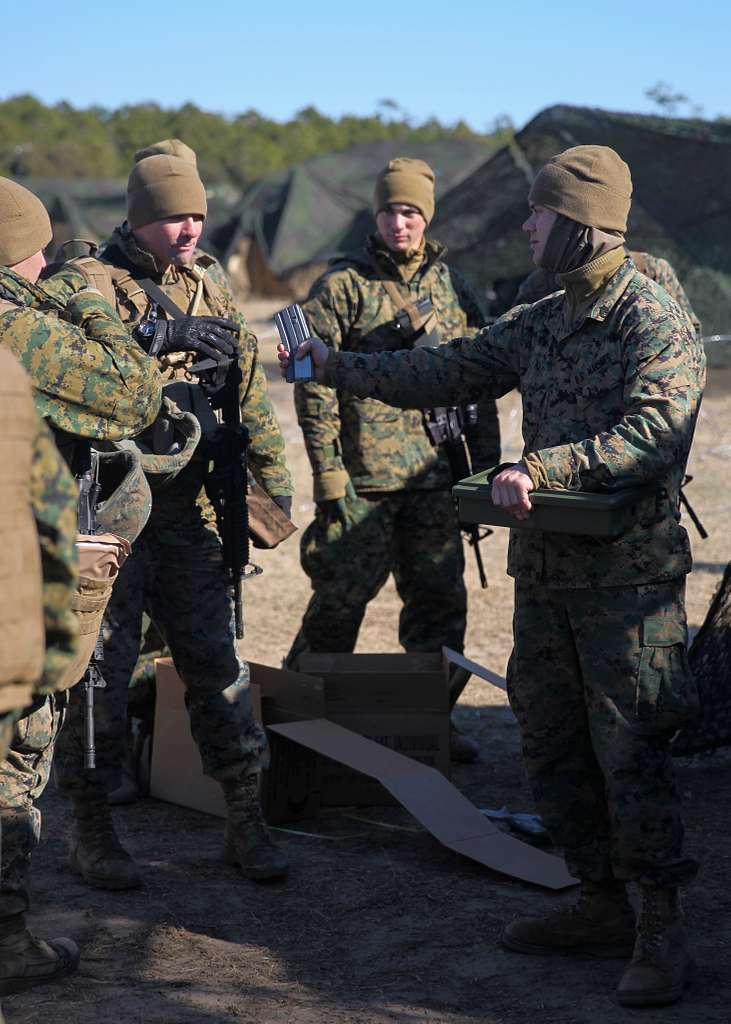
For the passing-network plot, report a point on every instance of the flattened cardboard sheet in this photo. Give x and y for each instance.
(434, 801)
(461, 670)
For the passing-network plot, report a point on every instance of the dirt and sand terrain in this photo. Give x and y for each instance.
(377, 922)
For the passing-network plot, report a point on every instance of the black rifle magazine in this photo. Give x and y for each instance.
(578, 512)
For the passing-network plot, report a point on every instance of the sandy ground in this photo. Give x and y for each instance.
(377, 922)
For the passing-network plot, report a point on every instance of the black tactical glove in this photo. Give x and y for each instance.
(211, 336)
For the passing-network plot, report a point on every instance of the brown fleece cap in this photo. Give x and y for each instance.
(589, 184)
(25, 226)
(164, 183)
(404, 180)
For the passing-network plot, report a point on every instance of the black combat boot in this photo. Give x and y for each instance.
(26, 961)
(601, 923)
(95, 850)
(661, 964)
(246, 839)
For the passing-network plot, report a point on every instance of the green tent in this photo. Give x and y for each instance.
(299, 218)
(681, 207)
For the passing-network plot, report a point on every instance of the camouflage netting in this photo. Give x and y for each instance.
(322, 207)
(710, 659)
(681, 208)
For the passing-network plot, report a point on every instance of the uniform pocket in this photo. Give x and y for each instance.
(666, 694)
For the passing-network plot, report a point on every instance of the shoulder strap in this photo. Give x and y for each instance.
(158, 295)
(97, 274)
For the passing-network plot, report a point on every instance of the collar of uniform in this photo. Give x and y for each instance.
(379, 253)
(137, 257)
(603, 303)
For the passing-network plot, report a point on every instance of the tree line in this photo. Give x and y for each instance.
(62, 141)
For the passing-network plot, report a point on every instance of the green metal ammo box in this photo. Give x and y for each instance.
(597, 515)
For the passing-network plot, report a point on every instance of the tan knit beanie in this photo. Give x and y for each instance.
(25, 226)
(589, 184)
(404, 180)
(168, 147)
(164, 183)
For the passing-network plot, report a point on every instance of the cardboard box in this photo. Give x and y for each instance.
(301, 746)
(291, 786)
(400, 701)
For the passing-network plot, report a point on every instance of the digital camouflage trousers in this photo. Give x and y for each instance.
(413, 534)
(176, 576)
(24, 774)
(599, 682)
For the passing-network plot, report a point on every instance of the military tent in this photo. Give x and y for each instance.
(290, 223)
(681, 208)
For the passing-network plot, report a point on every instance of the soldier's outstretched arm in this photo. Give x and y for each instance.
(266, 444)
(89, 377)
(464, 370)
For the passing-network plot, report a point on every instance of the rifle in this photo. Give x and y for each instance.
(447, 427)
(93, 678)
(690, 510)
(226, 480)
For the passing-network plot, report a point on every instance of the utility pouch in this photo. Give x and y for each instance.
(666, 694)
(101, 556)
(268, 525)
(415, 321)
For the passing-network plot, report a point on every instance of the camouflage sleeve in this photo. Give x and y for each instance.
(89, 378)
(318, 411)
(266, 444)
(464, 370)
(53, 499)
(663, 383)
(484, 441)
(661, 271)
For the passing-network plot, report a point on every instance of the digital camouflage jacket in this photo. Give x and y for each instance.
(266, 445)
(87, 379)
(607, 403)
(543, 282)
(381, 447)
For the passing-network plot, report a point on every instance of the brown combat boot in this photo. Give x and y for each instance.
(661, 964)
(246, 839)
(95, 850)
(601, 924)
(26, 961)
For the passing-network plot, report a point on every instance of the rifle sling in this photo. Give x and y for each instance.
(158, 295)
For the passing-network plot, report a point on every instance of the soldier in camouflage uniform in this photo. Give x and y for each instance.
(382, 488)
(87, 385)
(38, 632)
(611, 377)
(541, 282)
(176, 571)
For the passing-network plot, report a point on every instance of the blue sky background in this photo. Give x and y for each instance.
(474, 61)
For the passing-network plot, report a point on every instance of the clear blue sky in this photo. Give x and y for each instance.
(474, 61)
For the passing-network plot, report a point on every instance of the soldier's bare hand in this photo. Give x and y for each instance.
(320, 353)
(510, 489)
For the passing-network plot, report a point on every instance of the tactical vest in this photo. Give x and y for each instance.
(22, 632)
(125, 292)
